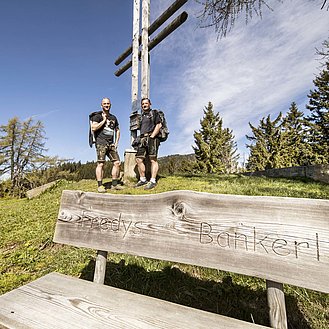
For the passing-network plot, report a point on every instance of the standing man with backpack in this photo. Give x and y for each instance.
(149, 144)
(105, 128)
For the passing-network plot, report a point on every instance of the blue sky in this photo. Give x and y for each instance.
(57, 63)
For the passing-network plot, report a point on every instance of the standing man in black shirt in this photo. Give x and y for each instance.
(106, 130)
(149, 145)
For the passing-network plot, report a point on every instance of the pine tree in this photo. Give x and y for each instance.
(215, 149)
(295, 149)
(318, 120)
(22, 147)
(266, 145)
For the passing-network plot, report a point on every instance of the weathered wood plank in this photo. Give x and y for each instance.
(40, 189)
(276, 305)
(62, 302)
(145, 63)
(275, 238)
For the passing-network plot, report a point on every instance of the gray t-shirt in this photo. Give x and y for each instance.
(149, 120)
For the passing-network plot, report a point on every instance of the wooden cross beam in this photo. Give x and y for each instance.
(146, 45)
(153, 27)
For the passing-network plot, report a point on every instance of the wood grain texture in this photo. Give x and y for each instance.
(280, 239)
(62, 302)
(277, 305)
(100, 267)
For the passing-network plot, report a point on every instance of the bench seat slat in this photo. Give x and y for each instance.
(60, 301)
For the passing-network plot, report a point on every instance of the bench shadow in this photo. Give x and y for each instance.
(171, 284)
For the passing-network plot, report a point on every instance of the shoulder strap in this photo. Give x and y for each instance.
(94, 113)
(154, 113)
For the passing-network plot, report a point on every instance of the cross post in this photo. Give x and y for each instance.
(146, 46)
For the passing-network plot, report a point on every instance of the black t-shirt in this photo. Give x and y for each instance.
(105, 134)
(149, 120)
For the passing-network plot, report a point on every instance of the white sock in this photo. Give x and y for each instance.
(153, 180)
(142, 179)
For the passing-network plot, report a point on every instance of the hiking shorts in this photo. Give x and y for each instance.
(148, 146)
(107, 150)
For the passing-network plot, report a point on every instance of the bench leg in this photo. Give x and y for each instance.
(276, 304)
(100, 266)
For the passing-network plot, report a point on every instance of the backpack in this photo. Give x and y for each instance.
(92, 139)
(164, 131)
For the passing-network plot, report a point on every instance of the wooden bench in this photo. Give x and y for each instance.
(282, 240)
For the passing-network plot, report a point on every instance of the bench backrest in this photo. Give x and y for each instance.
(276, 238)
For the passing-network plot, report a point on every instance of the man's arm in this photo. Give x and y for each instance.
(117, 137)
(156, 130)
(97, 125)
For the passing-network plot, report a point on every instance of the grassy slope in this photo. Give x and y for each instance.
(27, 252)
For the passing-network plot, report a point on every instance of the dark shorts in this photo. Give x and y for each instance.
(148, 146)
(107, 150)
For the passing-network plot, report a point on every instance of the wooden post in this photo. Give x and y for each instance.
(176, 23)
(145, 54)
(129, 156)
(130, 168)
(134, 71)
(145, 67)
(276, 304)
(146, 46)
(153, 27)
(100, 267)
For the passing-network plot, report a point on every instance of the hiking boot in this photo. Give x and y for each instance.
(117, 187)
(150, 185)
(101, 189)
(140, 183)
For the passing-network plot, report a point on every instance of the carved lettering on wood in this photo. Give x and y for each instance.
(240, 238)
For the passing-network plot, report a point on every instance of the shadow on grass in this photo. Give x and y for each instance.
(108, 185)
(171, 284)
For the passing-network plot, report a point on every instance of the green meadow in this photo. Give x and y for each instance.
(27, 252)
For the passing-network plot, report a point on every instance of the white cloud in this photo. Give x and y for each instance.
(258, 69)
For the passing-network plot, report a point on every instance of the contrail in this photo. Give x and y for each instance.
(42, 115)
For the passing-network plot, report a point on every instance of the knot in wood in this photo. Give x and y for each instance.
(179, 209)
(80, 195)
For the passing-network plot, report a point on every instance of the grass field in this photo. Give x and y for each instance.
(27, 252)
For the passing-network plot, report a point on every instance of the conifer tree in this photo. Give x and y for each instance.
(295, 149)
(215, 149)
(22, 147)
(318, 120)
(266, 145)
